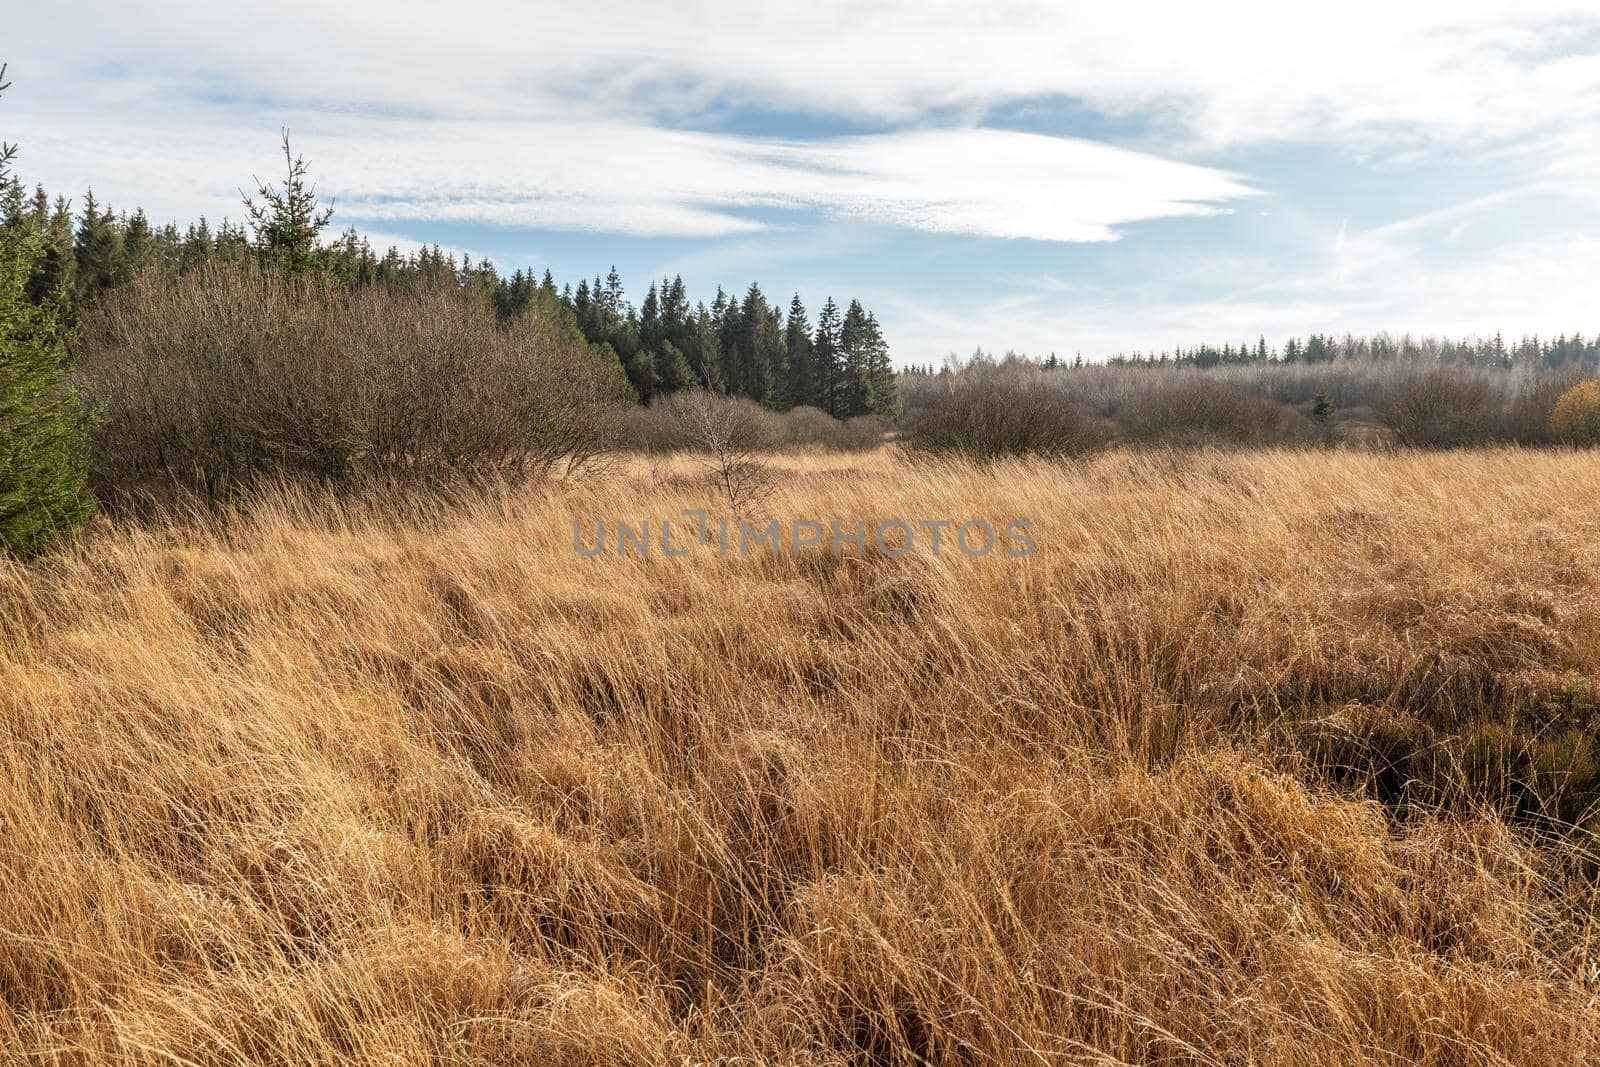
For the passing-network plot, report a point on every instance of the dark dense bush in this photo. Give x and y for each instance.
(1002, 409)
(1195, 409)
(213, 378)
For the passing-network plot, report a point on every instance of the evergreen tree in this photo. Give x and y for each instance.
(798, 350)
(1324, 416)
(729, 325)
(829, 366)
(138, 245)
(854, 393)
(704, 352)
(760, 369)
(54, 266)
(882, 397)
(672, 368)
(675, 310)
(43, 426)
(613, 290)
(95, 247)
(287, 221)
(650, 329)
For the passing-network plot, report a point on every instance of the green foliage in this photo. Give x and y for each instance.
(43, 427)
(287, 221)
(1325, 417)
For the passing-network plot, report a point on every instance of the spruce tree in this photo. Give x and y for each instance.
(826, 356)
(287, 221)
(95, 247)
(138, 245)
(703, 352)
(882, 398)
(773, 360)
(43, 426)
(729, 325)
(753, 380)
(854, 394)
(802, 364)
(675, 314)
(613, 290)
(54, 267)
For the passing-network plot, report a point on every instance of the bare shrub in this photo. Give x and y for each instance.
(217, 377)
(808, 426)
(660, 428)
(1002, 409)
(865, 431)
(733, 431)
(1196, 409)
(1443, 407)
(1526, 401)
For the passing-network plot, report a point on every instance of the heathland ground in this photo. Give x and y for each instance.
(1283, 757)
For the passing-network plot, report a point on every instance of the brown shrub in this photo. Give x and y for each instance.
(732, 431)
(230, 373)
(1529, 401)
(664, 426)
(1444, 407)
(812, 427)
(1201, 410)
(1002, 409)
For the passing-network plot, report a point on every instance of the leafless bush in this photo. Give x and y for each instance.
(232, 372)
(1442, 407)
(1002, 409)
(661, 428)
(865, 431)
(1269, 403)
(734, 432)
(1529, 401)
(1197, 409)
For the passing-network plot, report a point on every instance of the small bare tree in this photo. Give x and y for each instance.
(733, 431)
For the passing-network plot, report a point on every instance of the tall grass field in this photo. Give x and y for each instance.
(1285, 757)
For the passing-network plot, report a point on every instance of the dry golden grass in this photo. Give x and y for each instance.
(329, 783)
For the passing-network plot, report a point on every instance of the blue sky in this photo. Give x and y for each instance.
(1040, 176)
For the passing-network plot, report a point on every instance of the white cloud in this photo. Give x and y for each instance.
(514, 114)
(508, 113)
(1231, 73)
(635, 179)
(1388, 278)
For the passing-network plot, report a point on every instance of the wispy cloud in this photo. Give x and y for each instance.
(1235, 73)
(617, 121)
(642, 180)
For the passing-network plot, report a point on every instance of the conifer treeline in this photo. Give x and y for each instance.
(1484, 353)
(1488, 353)
(744, 346)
